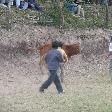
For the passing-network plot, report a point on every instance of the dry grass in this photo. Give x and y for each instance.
(20, 80)
(86, 84)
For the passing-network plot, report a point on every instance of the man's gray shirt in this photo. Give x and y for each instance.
(53, 58)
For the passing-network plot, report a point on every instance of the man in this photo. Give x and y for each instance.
(32, 4)
(76, 9)
(53, 59)
(104, 2)
(80, 10)
(23, 5)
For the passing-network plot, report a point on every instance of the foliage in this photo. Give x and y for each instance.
(95, 16)
(55, 14)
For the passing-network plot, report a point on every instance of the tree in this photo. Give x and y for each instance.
(8, 16)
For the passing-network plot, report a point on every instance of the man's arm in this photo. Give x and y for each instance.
(65, 57)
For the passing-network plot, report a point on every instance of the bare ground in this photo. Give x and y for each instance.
(86, 84)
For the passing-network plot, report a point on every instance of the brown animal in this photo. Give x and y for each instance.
(71, 50)
(43, 49)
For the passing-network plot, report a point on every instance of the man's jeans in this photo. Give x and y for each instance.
(53, 77)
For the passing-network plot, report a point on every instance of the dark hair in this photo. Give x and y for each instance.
(111, 38)
(60, 44)
(75, 1)
(55, 44)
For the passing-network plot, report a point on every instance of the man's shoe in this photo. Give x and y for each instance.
(62, 92)
(41, 90)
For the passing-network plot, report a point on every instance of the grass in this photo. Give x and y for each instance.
(51, 16)
(81, 94)
(86, 96)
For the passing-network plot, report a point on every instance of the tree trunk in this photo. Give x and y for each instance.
(62, 12)
(8, 17)
(107, 15)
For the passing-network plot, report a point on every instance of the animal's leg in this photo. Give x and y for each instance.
(40, 66)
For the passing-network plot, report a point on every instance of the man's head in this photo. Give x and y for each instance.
(60, 44)
(55, 44)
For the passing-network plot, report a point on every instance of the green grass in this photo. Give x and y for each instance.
(51, 16)
(85, 95)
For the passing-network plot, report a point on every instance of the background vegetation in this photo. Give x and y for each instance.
(95, 16)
